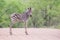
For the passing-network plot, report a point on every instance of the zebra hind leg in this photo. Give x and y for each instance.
(11, 28)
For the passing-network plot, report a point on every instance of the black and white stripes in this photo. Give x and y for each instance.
(15, 17)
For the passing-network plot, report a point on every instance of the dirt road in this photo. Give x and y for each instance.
(34, 34)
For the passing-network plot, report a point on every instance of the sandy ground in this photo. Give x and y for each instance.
(34, 34)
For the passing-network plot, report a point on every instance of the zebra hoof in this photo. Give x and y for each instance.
(26, 33)
(10, 33)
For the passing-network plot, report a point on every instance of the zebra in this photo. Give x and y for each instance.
(16, 17)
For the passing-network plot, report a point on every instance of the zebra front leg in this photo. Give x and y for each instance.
(11, 28)
(26, 28)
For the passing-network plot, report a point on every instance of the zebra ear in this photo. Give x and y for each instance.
(29, 8)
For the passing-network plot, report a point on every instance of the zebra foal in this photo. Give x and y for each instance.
(15, 17)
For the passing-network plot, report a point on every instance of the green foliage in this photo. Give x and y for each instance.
(45, 12)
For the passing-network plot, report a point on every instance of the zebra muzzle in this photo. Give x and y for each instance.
(30, 15)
